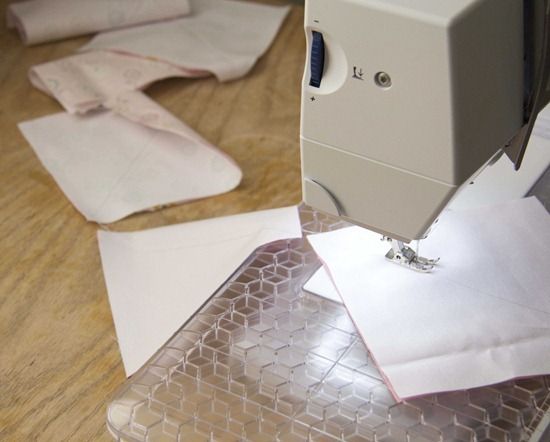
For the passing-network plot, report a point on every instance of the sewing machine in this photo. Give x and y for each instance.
(405, 102)
(395, 120)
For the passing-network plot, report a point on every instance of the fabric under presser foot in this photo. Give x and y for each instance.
(404, 255)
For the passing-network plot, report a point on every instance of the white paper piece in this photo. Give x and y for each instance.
(39, 21)
(320, 284)
(482, 317)
(110, 167)
(158, 278)
(542, 125)
(220, 36)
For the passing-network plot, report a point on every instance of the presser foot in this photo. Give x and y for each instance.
(403, 255)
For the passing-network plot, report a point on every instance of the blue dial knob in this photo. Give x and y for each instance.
(317, 59)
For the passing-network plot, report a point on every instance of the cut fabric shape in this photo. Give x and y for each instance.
(320, 284)
(221, 37)
(97, 79)
(482, 317)
(40, 21)
(110, 167)
(157, 279)
(224, 37)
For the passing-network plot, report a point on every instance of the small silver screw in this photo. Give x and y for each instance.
(383, 79)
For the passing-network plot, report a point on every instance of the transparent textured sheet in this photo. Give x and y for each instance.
(264, 360)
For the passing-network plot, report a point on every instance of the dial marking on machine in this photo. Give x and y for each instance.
(358, 73)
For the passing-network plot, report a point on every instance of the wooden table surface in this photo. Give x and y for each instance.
(59, 359)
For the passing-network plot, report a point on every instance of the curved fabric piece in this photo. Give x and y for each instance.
(110, 167)
(223, 37)
(220, 37)
(40, 21)
(158, 278)
(92, 80)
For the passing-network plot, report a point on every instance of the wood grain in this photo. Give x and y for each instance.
(59, 359)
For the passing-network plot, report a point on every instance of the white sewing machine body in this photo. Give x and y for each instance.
(403, 102)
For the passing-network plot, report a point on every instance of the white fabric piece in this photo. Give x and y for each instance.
(542, 125)
(157, 279)
(93, 80)
(110, 167)
(39, 21)
(483, 315)
(320, 284)
(223, 37)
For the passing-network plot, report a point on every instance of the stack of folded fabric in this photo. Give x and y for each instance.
(117, 152)
(40, 21)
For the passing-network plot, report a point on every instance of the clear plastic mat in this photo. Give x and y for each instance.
(264, 360)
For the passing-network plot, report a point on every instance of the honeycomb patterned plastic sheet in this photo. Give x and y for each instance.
(264, 360)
